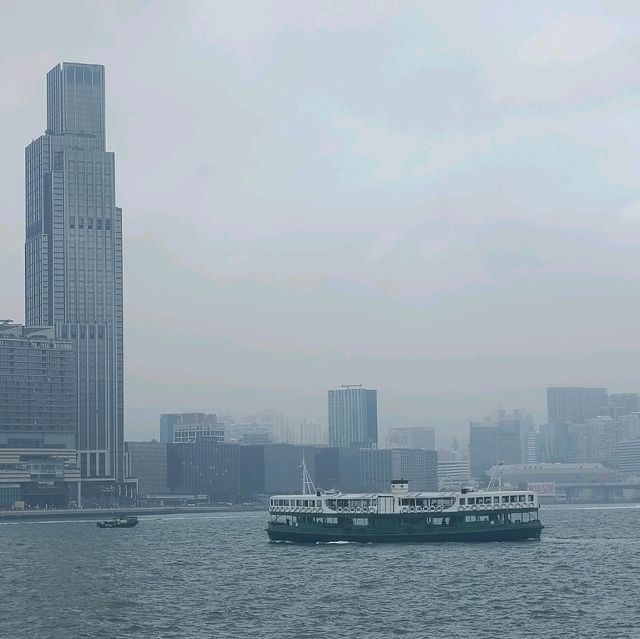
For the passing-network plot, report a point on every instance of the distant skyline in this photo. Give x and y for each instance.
(439, 202)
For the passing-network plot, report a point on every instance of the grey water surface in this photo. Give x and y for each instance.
(202, 576)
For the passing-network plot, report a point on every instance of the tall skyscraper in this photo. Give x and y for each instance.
(493, 442)
(353, 417)
(576, 404)
(73, 258)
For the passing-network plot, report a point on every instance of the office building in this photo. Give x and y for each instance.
(628, 457)
(43, 477)
(185, 428)
(205, 467)
(338, 469)
(379, 467)
(73, 260)
(147, 462)
(576, 404)
(621, 404)
(353, 417)
(412, 438)
(491, 442)
(453, 474)
(37, 388)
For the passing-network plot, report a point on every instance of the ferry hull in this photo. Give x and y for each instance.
(312, 535)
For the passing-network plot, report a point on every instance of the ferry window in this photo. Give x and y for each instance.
(487, 500)
(513, 498)
(522, 498)
(530, 497)
(472, 500)
(299, 502)
(496, 500)
(462, 501)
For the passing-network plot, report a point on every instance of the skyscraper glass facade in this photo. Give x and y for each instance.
(353, 418)
(73, 256)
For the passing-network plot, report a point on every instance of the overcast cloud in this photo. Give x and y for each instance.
(438, 200)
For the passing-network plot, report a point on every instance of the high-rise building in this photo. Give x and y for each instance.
(412, 438)
(37, 388)
(185, 428)
(73, 258)
(621, 404)
(492, 442)
(379, 467)
(338, 468)
(353, 417)
(576, 404)
(38, 424)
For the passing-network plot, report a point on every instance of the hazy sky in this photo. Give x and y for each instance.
(438, 200)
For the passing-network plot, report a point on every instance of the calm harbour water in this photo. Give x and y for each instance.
(203, 576)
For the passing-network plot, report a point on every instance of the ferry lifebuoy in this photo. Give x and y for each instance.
(372, 509)
(418, 509)
(412, 509)
(358, 509)
(404, 509)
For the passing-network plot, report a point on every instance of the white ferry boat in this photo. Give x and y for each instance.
(401, 515)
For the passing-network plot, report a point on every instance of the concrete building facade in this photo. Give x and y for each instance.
(38, 401)
(147, 462)
(379, 467)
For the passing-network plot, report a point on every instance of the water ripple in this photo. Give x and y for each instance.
(216, 575)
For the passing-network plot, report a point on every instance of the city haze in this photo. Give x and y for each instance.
(439, 203)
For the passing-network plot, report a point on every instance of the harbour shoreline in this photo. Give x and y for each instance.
(107, 513)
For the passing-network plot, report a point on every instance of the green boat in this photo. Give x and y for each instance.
(318, 516)
(119, 522)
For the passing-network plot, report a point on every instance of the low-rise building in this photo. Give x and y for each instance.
(453, 474)
(628, 457)
(43, 478)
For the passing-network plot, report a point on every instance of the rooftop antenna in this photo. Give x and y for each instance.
(307, 483)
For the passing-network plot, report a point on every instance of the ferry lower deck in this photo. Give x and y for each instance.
(402, 515)
(476, 526)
